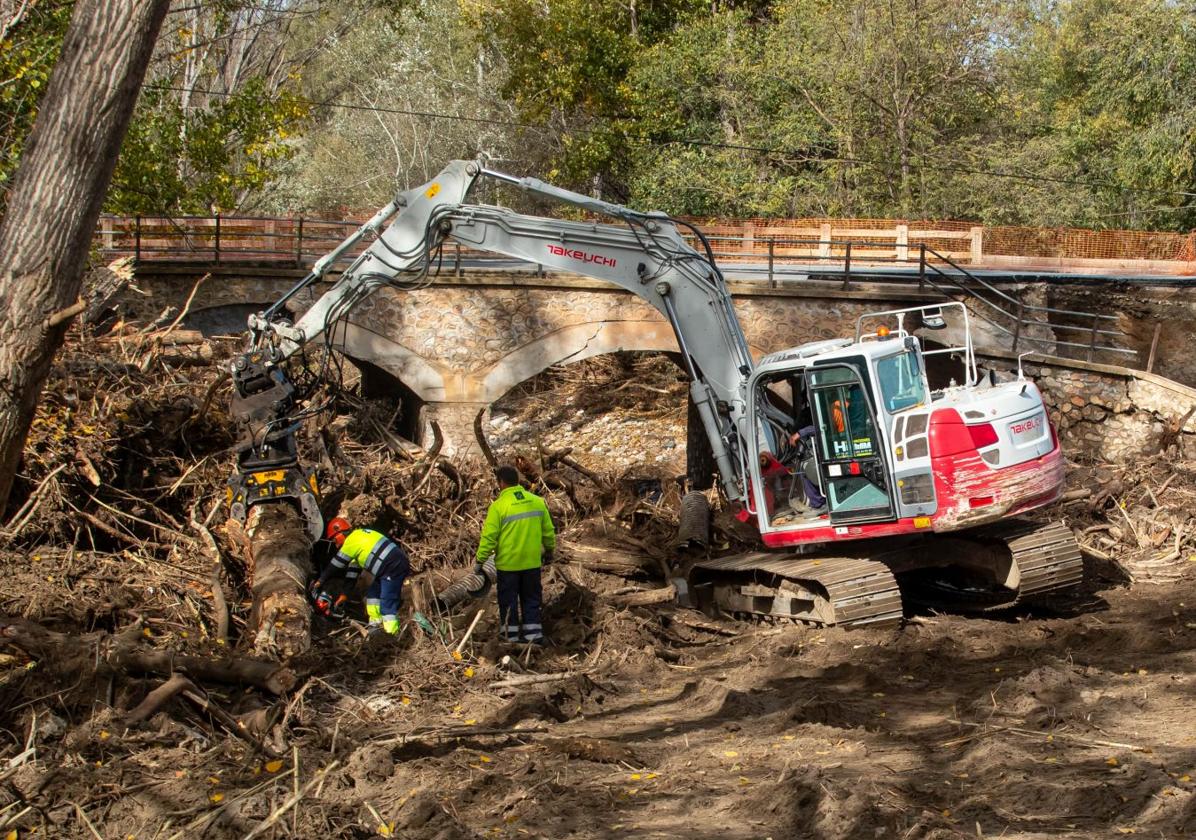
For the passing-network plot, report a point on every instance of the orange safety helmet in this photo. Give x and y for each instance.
(337, 528)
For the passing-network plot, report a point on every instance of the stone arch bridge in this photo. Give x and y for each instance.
(460, 344)
(463, 342)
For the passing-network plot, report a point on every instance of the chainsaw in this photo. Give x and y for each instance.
(328, 606)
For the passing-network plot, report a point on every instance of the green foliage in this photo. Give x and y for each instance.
(1053, 112)
(1118, 87)
(203, 160)
(568, 61)
(28, 51)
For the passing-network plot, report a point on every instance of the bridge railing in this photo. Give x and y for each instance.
(777, 260)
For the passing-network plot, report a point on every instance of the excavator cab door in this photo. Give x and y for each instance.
(854, 476)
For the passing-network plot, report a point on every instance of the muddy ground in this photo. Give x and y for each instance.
(1068, 719)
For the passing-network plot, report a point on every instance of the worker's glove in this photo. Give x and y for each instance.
(337, 610)
(546, 558)
(479, 569)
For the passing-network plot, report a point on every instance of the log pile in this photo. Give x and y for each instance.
(1139, 516)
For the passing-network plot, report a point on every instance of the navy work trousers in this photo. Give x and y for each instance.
(519, 596)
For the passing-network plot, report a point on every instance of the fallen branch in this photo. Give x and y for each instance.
(219, 602)
(156, 699)
(533, 679)
(291, 802)
(646, 597)
(483, 444)
(469, 632)
(986, 728)
(106, 655)
(22, 516)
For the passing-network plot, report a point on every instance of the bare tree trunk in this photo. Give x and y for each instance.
(56, 198)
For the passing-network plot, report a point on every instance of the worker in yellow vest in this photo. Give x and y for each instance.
(519, 533)
(377, 563)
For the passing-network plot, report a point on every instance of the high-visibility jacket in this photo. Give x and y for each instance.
(517, 530)
(366, 550)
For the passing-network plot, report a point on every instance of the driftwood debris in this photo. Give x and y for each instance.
(613, 560)
(106, 654)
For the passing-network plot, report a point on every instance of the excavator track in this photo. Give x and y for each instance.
(819, 590)
(991, 568)
(1041, 558)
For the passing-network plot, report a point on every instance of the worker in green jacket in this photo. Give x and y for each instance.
(519, 533)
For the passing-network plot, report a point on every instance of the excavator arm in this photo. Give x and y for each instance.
(643, 253)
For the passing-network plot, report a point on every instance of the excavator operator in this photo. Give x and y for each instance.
(377, 563)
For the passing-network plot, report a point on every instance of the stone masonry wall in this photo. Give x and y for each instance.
(1111, 414)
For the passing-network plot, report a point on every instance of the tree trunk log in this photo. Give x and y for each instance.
(105, 654)
(56, 198)
(278, 556)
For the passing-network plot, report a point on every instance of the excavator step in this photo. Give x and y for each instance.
(820, 590)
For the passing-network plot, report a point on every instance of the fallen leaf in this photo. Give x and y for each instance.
(213, 780)
(104, 735)
(406, 701)
(12, 835)
(635, 777)
(1111, 761)
(485, 759)
(946, 812)
(215, 796)
(471, 721)
(273, 766)
(469, 672)
(1185, 778)
(730, 753)
(386, 829)
(457, 655)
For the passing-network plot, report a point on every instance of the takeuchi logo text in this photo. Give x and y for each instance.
(1030, 425)
(580, 256)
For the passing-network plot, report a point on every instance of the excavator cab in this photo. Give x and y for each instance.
(886, 453)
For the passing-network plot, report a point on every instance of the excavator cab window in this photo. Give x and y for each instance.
(852, 467)
(901, 383)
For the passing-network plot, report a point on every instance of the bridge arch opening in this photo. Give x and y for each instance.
(406, 410)
(625, 409)
(226, 319)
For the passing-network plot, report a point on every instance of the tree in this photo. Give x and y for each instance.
(30, 36)
(400, 70)
(568, 63)
(1114, 82)
(216, 119)
(56, 197)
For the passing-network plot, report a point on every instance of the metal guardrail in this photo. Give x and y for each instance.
(775, 260)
